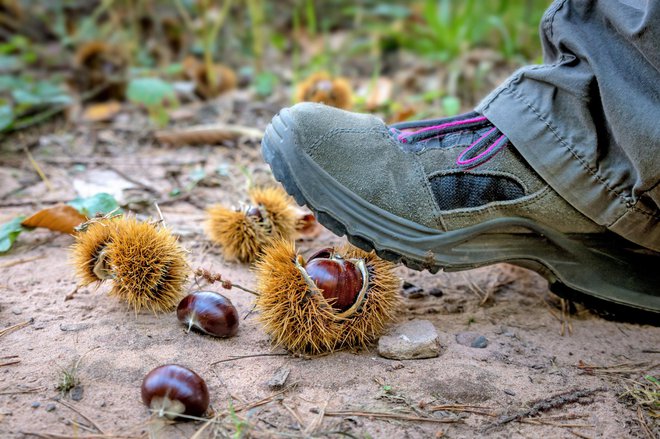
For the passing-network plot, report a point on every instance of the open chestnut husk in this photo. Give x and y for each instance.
(209, 312)
(244, 232)
(338, 298)
(144, 262)
(172, 390)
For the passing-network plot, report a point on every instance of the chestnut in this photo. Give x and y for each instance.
(336, 277)
(172, 390)
(209, 312)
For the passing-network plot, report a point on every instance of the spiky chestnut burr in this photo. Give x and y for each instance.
(339, 298)
(145, 263)
(88, 253)
(243, 233)
(321, 87)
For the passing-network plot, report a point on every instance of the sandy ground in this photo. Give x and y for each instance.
(527, 359)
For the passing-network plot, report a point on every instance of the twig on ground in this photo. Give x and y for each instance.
(621, 368)
(75, 436)
(546, 404)
(316, 423)
(130, 179)
(477, 410)
(225, 283)
(85, 417)
(575, 433)
(15, 327)
(18, 392)
(206, 134)
(295, 415)
(388, 415)
(72, 293)
(642, 423)
(38, 169)
(9, 363)
(20, 261)
(241, 357)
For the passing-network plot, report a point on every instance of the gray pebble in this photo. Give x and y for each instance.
(50, 407)
(410, 340)
(35, 405)
(479, 342)
(77, 393)
(472, 339)
(73, 327)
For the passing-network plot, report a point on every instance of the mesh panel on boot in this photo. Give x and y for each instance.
(460, 190)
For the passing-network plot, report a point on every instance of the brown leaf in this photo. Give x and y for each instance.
(60, 218)
(307, 226)
(379, 94)
(101, 112)
(211, 134)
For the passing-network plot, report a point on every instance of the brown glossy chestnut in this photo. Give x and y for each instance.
(209, 312)
(172, 390)
(336, 277)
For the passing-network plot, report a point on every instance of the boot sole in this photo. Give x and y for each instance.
(602, 271)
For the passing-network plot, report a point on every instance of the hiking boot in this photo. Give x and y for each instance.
(453, 194)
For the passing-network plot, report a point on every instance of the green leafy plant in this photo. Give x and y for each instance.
(98, 204)
(9, 232)
(156, 95)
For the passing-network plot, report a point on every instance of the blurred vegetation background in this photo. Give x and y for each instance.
(400, 59)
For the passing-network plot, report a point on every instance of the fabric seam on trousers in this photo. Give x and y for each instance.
(626, 200)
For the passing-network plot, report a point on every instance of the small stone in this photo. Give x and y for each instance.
(509, 392)
(479, 342)
(17, 311)
(412, 291)
(279, 378)
(411, 340)
(472, 339)
(50, 407)
(77, 393)
(35, 405)
(74, 327)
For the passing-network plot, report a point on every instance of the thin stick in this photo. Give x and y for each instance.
(642, 422)
(316, 423)
(130, 179)
(240, 357)
(16, 327)
(9, 363)
(551, 402)
(20, 261)
(75, 436)
(37, 168)
(72, 293)
(383, 415)
(579, 434)
(477, 410)
(85, 417)
(226, 284)
(17, 392)
(295, 415)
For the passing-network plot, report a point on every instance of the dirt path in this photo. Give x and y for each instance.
(340, 395)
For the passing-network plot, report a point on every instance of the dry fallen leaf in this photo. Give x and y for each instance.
(101, 112)
(211, 134)
(60, 218)
(379, 94)
(307, 226)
